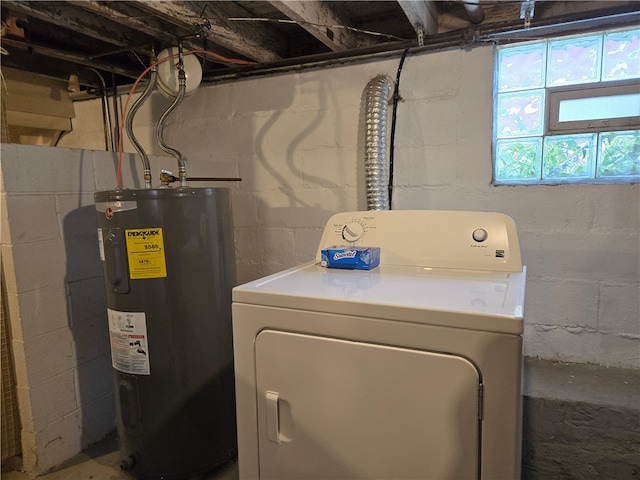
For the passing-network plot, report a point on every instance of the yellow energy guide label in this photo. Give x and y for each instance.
(145, 251)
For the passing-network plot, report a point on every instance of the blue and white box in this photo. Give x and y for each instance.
(355, 258)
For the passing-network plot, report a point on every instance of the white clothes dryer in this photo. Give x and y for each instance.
(411, 370)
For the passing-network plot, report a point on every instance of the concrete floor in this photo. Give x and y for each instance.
(101, 462)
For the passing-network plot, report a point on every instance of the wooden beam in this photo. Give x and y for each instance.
(67, 56)
(123, 14)
(423, 15)
(250, 39)
(321, 20)
(65, 15)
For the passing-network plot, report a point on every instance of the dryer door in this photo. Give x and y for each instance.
(338, 409)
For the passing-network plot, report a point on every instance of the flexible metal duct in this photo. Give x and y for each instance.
(377, 98)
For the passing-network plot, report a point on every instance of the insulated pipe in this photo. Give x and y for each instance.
(182, 82)
(129, 125)
(377, 98)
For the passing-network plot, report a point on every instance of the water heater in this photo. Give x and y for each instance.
(169, 267)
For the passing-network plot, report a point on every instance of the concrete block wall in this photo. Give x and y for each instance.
(56, 304)
(297, 141)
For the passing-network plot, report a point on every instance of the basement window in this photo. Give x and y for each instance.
(567, 110)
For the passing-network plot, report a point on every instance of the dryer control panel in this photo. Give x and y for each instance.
(430, 238)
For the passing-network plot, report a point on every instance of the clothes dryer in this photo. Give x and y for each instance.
(410, 370)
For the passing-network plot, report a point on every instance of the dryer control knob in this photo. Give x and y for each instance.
(479, 234)
(352, 232)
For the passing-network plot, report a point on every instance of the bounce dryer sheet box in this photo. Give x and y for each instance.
(344, 256)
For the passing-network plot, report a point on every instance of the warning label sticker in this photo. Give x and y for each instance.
(129, 342)
(145, 251)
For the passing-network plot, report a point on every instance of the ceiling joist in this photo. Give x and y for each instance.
(58, 37)
(321, 21)
(422, 14)
(249, 39)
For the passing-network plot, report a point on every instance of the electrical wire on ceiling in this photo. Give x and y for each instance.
(396, 99)
(299, 22)
(141, 76)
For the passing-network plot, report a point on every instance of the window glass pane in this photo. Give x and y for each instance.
(572, 61)
(597, 108)
(518, 159)
(569, 156)
(521, 67)
(621, 55)
(520, 114)
(619, 154)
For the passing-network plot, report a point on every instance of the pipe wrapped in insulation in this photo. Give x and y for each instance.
(377, 98)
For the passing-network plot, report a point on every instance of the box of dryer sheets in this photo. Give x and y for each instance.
(345, 256)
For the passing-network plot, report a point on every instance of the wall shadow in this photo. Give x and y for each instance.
(86, 308)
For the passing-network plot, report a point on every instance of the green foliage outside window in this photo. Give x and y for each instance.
(525, 150)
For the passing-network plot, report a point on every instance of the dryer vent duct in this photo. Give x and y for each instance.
(377, 96)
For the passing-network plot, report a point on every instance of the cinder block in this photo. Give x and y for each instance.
(30, 218)
(98, 419)
(35, 265)
(262, 172)
(414, 198)
(621, 211)
(53, 399)
(428, 123)
(578, 344)
(91, 339)
(20, 363)
(94, 380)
(39, 311)
(269, 245)
(596, 256)
(419, 80)
(619, 309)
(430, 166)
(86, 299)
(82, 258)
(306, 241)
(473, 164)
(556, 301)
(329, 168)
(247, 272)
(304, 208)
(245, 208)
(219, 98)
(24, 406)
(77, 214)
(29, 449)
(49, 355)
(566, 210)
(58, 441)
(251, 98)
(31, 169)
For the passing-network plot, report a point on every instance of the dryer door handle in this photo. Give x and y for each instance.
(273, 417)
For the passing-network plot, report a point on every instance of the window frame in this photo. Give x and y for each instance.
(552, 127)
(554, 95)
